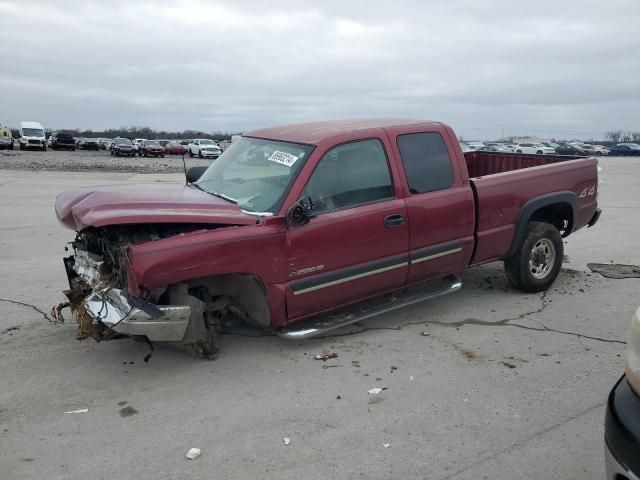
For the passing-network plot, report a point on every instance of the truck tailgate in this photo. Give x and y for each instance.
(500, 198)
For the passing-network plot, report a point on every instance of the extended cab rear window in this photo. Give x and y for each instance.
(426, 162)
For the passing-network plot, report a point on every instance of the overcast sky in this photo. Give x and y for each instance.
(546, 67)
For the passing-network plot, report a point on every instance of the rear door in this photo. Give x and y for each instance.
(357, 244)
(439, 201)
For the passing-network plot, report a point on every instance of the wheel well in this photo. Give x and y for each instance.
(560, 215)
(244, 295)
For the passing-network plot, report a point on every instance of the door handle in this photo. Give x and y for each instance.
(393, 221)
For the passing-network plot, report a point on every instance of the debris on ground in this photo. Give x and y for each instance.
(82, 410)
(286, 441)
(425, 333)
(615, 270)
(386, 445)
(376, 390)
(127, 412)
(324, 356)
(193, 453)
(355, 363)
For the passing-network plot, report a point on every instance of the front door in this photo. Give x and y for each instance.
(357, 244)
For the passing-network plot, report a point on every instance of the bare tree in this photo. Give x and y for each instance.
(635, 137)
(613, 136)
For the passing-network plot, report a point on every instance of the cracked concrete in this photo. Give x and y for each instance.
(505, 384)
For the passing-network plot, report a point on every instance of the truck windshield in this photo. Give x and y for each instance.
(255, 173)
(33, 132)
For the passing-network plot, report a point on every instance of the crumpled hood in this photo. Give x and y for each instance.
(145, 203)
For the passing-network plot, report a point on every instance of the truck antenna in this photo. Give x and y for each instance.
(184, 165)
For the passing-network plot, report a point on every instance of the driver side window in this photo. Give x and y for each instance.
(349, 175)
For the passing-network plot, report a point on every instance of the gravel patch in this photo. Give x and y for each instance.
(92, 161)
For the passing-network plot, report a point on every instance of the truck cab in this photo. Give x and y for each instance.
(32, 135)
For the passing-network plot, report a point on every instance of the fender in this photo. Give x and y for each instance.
(536, 203)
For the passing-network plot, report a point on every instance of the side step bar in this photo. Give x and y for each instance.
(312, 327)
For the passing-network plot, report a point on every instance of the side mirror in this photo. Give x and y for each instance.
(301, 212)
(194, 174)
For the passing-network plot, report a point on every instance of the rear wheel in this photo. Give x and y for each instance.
(537, 262)
(518, 151)
(539, 152)
(190, 153)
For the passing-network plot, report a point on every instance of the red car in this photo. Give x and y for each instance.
(174, 148)
(151, 148)
(302, 229)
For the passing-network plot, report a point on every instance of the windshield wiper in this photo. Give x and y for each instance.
(217, 194)
(225, 197)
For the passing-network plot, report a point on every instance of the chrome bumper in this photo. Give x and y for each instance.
(160, 323)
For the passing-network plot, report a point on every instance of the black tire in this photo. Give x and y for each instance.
(518, 151)
(44, 148)
(539, 152)
(112, 154)
(190, 153)
(73, 149)
(199, 154)
(538, 260)
(11, 146)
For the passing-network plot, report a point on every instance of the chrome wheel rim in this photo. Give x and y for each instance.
(542, 258)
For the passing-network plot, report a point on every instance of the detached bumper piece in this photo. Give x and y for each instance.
(622, 433)
(161, 323)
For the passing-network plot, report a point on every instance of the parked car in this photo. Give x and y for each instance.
(62, 141)
(6, 138)
(550, 144)
(137, 145)
(151, 148)
(122, 147)
(474, 145)
(32, 136)
(163, 143)
(204, 148)
(569, 149)
(501, 147)
(593, 149)
(622, 417)
(534, 148)
(161, 252)
(104, 143)
(625, 149)
(88, 144)
(175, 148)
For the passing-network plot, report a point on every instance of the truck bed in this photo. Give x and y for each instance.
(503, 183)
(480, 164)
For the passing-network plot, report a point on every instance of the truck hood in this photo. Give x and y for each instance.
(145, 203)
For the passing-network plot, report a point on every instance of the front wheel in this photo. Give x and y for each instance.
(518, 151)
(44, 148)
(190, 153)
(199, 154)
(539, 152)
(537, 262)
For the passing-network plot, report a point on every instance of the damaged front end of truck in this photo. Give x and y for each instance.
(105, 310)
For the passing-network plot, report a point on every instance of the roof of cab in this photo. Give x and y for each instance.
(313, 133)
(25, 124)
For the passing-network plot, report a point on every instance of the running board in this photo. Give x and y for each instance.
(312, 327)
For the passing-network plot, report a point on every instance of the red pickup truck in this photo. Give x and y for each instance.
(305, 228)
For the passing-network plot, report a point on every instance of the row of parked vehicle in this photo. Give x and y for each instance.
(200, 147)
(550, 148)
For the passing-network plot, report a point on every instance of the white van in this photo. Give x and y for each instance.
(32, 136)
